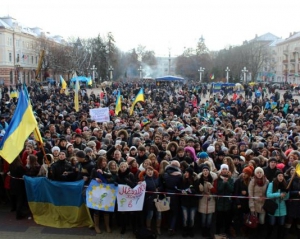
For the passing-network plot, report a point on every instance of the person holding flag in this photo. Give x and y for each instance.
(139, 97)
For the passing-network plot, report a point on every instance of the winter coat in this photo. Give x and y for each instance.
(207, 204)
(240, 186)
(224, 189)
(126, 178)
(152, 183)
(171, 180)
(58, 168)
(189, 189)
(281, 210)
(293, 207)
(256, 204)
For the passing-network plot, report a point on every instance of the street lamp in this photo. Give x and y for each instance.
(200, 73)
(141, 72)
(227, 73)
(245, 72)
(94, 69)
(111, 69)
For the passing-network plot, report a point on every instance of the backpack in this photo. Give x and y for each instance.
(144, 233)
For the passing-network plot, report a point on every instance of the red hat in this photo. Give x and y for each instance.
(78, 131)
(248, 170)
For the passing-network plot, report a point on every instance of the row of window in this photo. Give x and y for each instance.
(22, 77)
(24, 58)
(28, 45)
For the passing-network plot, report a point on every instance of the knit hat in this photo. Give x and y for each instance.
(68, 145)
(202, 155)
(248, 170)
(80, 154)
(101, 152)
(91, 144)
(278, 172)
(88, 150)
(130, 160)
(280, 166)
(55, 148)
(210, 149)
(259, 169)
(205, 166)
(78, 131)
(224, 166)
(132, 148)
(249, 151)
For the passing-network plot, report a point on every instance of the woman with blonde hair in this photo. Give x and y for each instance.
(233, 173)
(154, 161)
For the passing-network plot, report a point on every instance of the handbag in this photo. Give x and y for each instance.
(220, 236)
(270, 206)
(250, 220)
(162, 205)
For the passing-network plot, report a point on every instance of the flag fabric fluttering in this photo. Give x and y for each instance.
(118, 103)
(63, 83)
(13, 94)
(57, 204)
(22, 124)
(212, 76)
(90, 82)
(139, 97)
(76, 95)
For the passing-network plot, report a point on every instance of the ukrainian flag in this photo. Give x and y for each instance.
(57, 204)
(21, 126)
(63, 83)
(13, 94)
(139, 97)
(76, 99)
(90, 82)
(118, 104)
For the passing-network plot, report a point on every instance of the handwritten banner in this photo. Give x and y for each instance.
(100, 114)
(101, 196)
(131, 199)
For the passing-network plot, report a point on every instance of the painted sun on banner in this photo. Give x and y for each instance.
(101, 196)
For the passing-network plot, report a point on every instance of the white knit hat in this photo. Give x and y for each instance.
(55, 148)
(210, 149)
(224, 166)
(259, 169)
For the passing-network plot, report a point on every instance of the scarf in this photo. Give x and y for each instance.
(260, 181)
(133, 170)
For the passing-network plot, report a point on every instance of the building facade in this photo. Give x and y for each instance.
(20, 50)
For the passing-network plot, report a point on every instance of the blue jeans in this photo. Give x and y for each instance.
(206, 219)
(150, 215)
(280, 220)
(188, 216)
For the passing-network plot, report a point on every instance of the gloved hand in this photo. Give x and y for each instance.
(201, 188)
(209, 185)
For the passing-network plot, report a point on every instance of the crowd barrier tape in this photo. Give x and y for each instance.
(198, 195)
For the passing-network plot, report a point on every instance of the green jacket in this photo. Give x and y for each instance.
(224, 189)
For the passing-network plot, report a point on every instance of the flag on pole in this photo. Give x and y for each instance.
(118, 104)
(63, 83)
(13, 94)
(139, 97)
(21, 126)
(76, 95)
(212, 76)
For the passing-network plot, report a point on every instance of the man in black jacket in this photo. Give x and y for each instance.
(271, 170)
(61, 170)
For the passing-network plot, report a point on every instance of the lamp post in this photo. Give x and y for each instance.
(245, 72)
(201, 69)
(111, 69)
(93, 69)
(141, 72)
(227, 73)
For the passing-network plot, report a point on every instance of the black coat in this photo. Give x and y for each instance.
(58, 168)
(190, 188)
(17, 185)
(293, 207)
(270, 173)
(240, 186)
(126, 178)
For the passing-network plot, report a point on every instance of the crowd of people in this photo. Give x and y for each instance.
(219, 158)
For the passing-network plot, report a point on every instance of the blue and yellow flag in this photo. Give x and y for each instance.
(118, 103)
(90, 82)
(63, 83)
(101, 196)
(139, 97)
(21, 126)
(13, 94)
(76, 95)
(57, 204)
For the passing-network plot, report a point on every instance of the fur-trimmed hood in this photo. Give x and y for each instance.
(124, 132)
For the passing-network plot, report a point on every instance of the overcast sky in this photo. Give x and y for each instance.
(159, 25)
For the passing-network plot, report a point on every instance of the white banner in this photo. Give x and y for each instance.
(100, 114)
(131, 199)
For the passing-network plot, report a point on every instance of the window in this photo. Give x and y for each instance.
(31, 59)
(18, 57)
(9, 57)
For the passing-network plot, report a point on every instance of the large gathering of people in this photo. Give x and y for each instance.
(218, 156)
